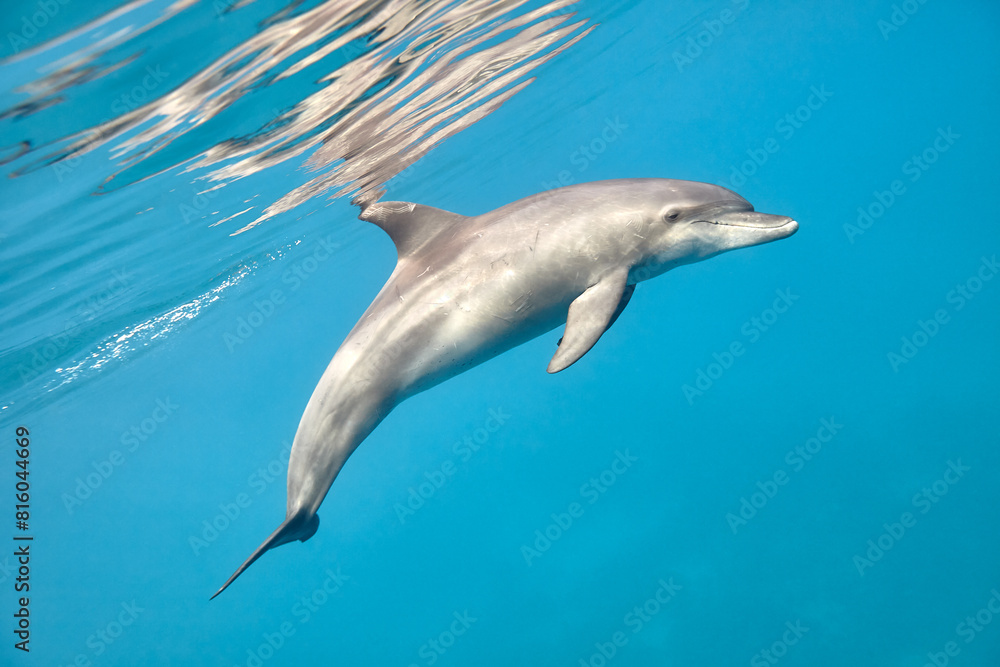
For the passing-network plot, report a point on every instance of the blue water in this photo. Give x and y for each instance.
(783, 455)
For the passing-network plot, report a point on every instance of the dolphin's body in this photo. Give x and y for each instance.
(466, 289)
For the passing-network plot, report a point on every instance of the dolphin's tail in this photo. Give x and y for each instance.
(299, 527)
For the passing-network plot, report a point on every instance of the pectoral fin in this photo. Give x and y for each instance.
(589, 317)
(626, 295)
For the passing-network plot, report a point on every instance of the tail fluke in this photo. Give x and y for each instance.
(299, 527)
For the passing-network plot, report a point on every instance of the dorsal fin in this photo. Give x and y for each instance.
(410, 226)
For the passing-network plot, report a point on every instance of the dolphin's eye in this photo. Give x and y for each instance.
(671, 215)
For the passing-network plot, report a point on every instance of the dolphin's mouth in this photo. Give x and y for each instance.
(754, 220)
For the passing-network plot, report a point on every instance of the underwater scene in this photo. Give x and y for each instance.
(488, 333)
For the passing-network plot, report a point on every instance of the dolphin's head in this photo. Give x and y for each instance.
(689, 221)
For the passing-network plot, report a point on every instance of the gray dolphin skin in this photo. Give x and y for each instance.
(466, 289)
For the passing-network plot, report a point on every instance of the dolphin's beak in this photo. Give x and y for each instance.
(756, 220)
(741, 228)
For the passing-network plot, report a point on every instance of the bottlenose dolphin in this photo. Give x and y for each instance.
(466, 289)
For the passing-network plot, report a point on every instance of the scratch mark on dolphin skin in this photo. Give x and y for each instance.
(521, 302)
(398, 294)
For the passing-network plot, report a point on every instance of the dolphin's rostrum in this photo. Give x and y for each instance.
(466, 289)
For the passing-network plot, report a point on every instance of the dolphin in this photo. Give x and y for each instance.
(466, 289)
